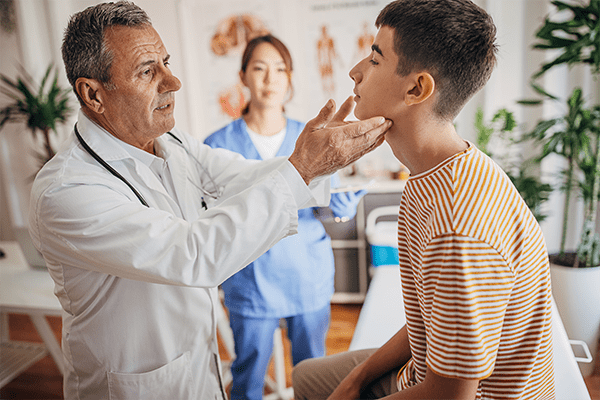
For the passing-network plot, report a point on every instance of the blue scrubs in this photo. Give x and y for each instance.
(293, 280)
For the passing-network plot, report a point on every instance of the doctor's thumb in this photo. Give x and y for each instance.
(325, 115)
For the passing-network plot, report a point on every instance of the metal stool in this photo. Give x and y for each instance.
(278, 386)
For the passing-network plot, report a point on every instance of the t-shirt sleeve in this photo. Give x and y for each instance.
(466, 288)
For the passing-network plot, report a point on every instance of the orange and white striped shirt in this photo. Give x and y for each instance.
(475, 281)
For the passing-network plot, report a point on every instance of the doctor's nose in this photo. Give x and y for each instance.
(169, 83)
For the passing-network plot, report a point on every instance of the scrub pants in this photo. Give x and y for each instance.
(253, 338)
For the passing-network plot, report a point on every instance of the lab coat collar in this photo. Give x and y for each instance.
(100, 140)
(107, 146)
(112, 149)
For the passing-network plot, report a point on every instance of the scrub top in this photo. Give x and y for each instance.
(297, 274)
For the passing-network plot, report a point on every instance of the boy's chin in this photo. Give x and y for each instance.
(361, 115)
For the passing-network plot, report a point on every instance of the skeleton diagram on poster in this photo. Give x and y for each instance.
(338, 34)
(224, 29)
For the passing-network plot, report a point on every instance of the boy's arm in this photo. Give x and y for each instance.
(393, 354)
(438, 387)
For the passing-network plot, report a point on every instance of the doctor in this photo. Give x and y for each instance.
(139, 223)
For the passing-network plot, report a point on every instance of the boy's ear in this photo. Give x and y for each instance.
(422, 89)
(91, 92)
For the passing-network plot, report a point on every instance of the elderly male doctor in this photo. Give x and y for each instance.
(139, 226)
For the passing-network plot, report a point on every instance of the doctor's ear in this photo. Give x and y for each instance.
(91, 92)
(422, 88)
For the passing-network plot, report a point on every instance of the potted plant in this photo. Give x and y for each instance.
(41, 108)
(503, 126)
(575, 136)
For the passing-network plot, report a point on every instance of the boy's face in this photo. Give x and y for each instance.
(378, 88)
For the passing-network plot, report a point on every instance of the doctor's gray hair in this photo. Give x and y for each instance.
(84, 49)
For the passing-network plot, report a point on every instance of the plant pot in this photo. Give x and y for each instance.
(577, 295)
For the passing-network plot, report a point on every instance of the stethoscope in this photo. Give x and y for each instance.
(115, 173)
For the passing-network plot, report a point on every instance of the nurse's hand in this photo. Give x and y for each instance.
(329, 143)
(343, 205)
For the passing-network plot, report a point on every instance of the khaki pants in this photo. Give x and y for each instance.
(317, 378)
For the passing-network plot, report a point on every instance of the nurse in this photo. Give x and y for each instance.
(295, 278)
(139, 222)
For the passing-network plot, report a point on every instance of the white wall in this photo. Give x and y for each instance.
(183, 27)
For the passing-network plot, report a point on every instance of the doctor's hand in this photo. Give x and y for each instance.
(329, 143)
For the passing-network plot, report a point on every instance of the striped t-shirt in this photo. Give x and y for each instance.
(475, 280)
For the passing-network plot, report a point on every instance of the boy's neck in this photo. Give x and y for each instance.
(420, 147)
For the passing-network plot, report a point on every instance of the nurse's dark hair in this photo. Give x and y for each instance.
(84, 49)
(283, 51)
(453, 40)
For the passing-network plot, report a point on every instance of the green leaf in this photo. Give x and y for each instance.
(42, 108)
(530, 102)
(541, 91)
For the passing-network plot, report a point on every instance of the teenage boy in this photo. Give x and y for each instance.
(473, 263)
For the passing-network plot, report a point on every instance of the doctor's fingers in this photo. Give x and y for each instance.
(362, 145)
(352, 141)
(345, 110)
(323, 118)
(371, 128)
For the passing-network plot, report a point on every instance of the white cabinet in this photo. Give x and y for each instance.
(349, 242)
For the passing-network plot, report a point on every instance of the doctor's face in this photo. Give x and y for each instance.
(138, 105)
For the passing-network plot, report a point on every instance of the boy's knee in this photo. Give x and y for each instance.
(301, 379)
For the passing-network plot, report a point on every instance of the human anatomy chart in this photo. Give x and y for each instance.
(325, 37)
(337, 34)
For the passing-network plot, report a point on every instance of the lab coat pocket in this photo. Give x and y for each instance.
(171, 381)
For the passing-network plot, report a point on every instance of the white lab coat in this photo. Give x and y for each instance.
(137, 284)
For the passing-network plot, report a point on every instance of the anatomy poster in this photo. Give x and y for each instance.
(225, 31)
(337, 34)
(326, 38)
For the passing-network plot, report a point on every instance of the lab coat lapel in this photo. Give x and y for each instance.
(179, 163)
(112, 150)
(159, 194)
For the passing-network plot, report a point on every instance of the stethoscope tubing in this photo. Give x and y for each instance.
(115, 173)
(110, 169)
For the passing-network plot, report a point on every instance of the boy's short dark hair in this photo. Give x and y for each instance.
(453, 40)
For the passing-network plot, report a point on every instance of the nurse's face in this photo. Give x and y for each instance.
(267, 77)
(138, 107)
